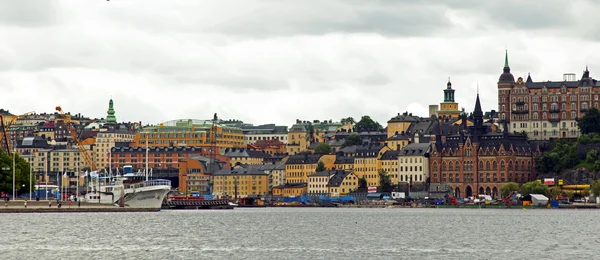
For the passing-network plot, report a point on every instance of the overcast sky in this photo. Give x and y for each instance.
(275, 61)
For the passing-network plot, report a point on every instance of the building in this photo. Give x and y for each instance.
(388, 162)
(365, 163)
(105, 141)
(290, 189)
(245, 156)
(298, 139)
(276, 172)
(448, 108)
(413, 163)
(299, 167)
(545, 109)
(271, 147)
(400, 123)
(433, 110)
(267, 132)
(240, 182)
(475, 161)
(318, 183)
(194, 174)
(344, 162)
(342, 183)
(190, 132)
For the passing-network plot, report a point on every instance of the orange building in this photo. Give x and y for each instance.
(194, 133)
(290, 189)
(158, 157)
(194, 173)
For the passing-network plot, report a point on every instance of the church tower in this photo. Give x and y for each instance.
(110, 118)
(448, 108)
(505, 83)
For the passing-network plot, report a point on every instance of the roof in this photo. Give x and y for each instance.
(344, 160)
(156, 149)
(291, 185)
(264, 129)
(405, 117)
(304, 159)
(368, 151)
(538, 196)
(321, 174)
(33, 142)
(338, 177)
(415, 149)
(245, 153)
(390, 155)
(240, 171)
(272, 167)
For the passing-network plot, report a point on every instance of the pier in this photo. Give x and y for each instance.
(18, 206)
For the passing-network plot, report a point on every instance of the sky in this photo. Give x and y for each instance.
(277, 61)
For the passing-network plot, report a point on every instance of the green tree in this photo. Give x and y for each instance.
(362, 183)
(563, 156)
(22, 176)
(590, 122)
(534, 187)
(585, 192)
(509, 187)
(595, 188)
(591, 156)
(367, 124)
(555, 192)
(352, 139)
(323, 149)
(347, 120)
(385, 182)
(569, 194)
(320, 167)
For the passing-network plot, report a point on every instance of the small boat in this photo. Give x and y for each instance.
(233, 204)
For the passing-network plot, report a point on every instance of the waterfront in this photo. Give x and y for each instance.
(305, 233)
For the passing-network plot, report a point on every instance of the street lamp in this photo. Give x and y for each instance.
(6, 168)
(14, 181)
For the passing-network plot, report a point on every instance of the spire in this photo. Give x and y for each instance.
(506, 77)
(478, 111)
(529, 80)
(449, 85)
(110, 118)
(506, 59)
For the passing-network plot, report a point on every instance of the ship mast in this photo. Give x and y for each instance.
(146, 171)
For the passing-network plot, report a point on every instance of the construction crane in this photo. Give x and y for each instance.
(87, 158)
(6, 125)
(213, 151)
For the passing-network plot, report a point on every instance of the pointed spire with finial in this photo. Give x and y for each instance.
(506, 59)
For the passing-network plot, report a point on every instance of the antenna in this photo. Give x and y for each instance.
(478, 87)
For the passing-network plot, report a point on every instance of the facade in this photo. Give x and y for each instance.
(448, 108)
(342, 183)
(240, 182)
(545, 109)
(267, 132)
(194, 174)
(159, 158)
(276, 172)
(400, 123)
(475, 161)
(366, 163)
(272, 147)
(245, 156)
(318, 183)
(105, 141)
(299, 167)
(388, 162)
(290, 189)
(298, 139)
(344, 162)
(191, 133)
(413, 162)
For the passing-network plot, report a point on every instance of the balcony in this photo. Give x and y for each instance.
(520, 111)
(554, 110)
(554, 120)
(583, 110)
(520, 103)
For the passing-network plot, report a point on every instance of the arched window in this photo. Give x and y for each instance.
(480, 165)
(435, 166)
(494, 166)
(510, 166)
(487, 165)
(502, 167)
(535, 115)
(573, 115)
(544, 116)
(443, 166)
(450, 166)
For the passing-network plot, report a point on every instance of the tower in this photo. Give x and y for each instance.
(448, 108)
(505, 83)
(110, 118)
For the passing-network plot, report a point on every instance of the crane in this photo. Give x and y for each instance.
(87, 158)
(6, 125)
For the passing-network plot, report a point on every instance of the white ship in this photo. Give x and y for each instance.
(128, 192)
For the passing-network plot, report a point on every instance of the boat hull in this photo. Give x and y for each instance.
(146, 197)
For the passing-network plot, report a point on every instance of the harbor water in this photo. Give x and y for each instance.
(304, 233)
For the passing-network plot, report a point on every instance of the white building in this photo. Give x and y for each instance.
(413, 165)
(265, 132)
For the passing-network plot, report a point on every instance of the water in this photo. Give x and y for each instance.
(304, 233)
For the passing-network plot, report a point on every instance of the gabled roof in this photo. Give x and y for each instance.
(245, 153)
(415, 149)
(390, 155)
(405, 117)
(303, 159)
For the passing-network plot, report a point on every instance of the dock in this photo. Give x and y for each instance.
(18, 206)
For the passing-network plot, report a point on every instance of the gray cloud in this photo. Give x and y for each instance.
(29, 13)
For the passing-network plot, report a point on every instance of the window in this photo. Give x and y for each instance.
(573, 115)
(535, 106)
(535, 115)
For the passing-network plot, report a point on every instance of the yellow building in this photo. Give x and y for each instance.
(189, 133)
(240, 182)
(290, 189)
(298, 139)
(413, 163)
(344, 163)
(299, 167)
(448, 108)
(365, 163)
(400, 123)
(388, 162)
(107, 140)
(245, 156)
(397, 141)
(342, 183)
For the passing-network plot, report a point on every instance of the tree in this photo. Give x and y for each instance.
(362, 183)
(320, 167)
(352, 139)
(367, 124)
(563, 156)
(555, 192)
(534, 187)
(591, 156)
(22, 177)
(385, 182)
(590, 122)
(508, 187)
(323, 149)
(585, 192)
(595, 188)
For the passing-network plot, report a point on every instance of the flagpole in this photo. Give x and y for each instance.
(110, 162)
(77, 190)
(146, 171)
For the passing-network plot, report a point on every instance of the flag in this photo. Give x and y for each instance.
(94, 174)
(118, 172)
(85, 174)
(65, 174)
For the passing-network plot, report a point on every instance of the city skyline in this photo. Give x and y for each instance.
(267, 62)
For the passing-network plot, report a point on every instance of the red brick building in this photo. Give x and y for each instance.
(477, 161)
(158, 157)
